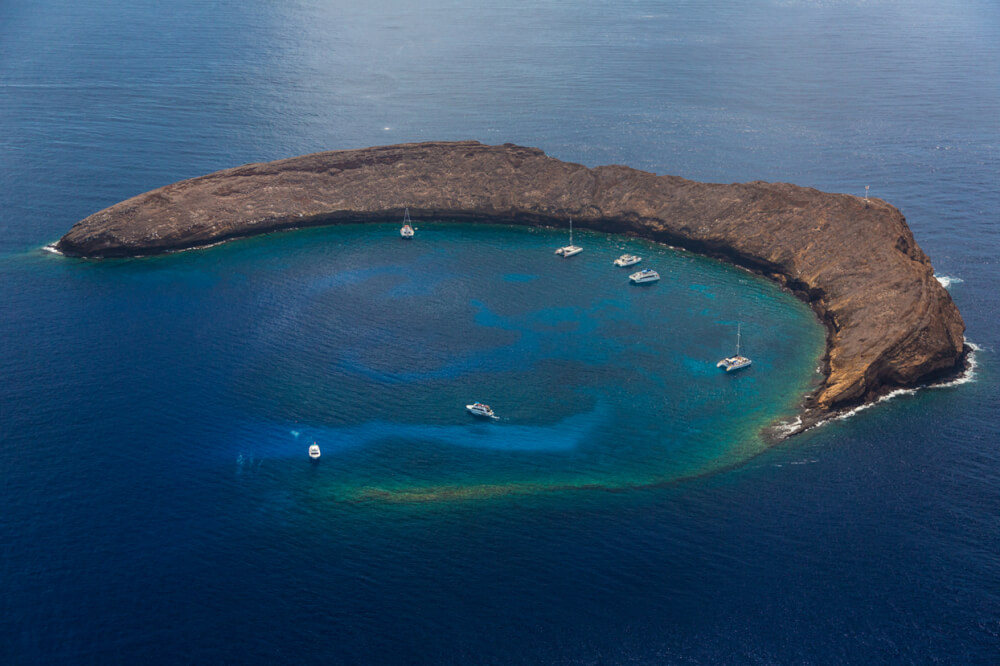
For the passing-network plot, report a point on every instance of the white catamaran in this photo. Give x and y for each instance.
(569, 250)
(736, 361)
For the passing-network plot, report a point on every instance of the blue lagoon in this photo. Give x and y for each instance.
(159, 504)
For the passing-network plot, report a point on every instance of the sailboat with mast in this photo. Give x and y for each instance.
(737, 361)
(407, 230)
(569, 250)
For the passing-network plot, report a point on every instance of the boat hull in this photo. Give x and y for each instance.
(478, 410)
(644, 277)
(734, 363)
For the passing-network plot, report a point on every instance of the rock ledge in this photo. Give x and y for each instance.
(889, 322)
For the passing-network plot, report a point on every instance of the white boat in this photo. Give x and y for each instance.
(627, 260)
(737, 361)
(644, 276)
(407, 230)
(314, 451)
(479, 409)
(569, 250)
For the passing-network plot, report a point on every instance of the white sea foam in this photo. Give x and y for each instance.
(51, 247)
(788, 428)
(970, 370)
(885, 398)
(968, 375)
(946, 280)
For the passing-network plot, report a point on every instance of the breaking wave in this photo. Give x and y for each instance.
(967, 375)
(946, 280)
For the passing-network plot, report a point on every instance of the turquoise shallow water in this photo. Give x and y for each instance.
(371, 346)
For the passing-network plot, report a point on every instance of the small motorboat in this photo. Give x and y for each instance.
(644, 276)
(479, 409)
(314, 451)
(627, 260)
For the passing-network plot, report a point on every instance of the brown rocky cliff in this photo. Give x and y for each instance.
(890, 323)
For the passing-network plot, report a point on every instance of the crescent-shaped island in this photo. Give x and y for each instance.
(889, 322)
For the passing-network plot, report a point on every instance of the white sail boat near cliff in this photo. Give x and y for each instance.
(569, 250)
(737, 361)
(407, 230)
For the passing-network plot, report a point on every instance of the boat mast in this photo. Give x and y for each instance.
(738, 325)
(571, 231)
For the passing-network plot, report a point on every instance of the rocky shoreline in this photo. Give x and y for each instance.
(889, 323)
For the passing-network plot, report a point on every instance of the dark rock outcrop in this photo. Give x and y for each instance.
(889, 322)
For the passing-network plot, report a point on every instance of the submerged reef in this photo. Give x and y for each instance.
(889, 322)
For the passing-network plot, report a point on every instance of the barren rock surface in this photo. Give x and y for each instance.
(889, 322)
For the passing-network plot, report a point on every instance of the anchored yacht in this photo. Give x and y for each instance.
(569, 250)
(479, 409)
(627, 260)
(314, 451)
(737, 361)
(407, 230)
(644, 276)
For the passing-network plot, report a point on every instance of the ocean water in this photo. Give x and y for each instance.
(157, 502)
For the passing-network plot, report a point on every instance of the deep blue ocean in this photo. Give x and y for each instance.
(156, 501)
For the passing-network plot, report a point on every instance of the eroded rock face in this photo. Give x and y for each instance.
(890, 323)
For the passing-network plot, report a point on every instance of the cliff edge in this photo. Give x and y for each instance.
(889, 322)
